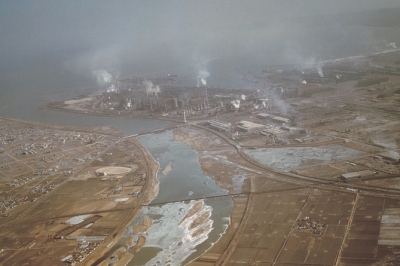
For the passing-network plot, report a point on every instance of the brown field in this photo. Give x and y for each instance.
(53, 184)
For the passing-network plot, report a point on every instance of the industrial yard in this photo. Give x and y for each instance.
(325, 193)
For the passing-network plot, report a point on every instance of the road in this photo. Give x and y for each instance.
(304, 180)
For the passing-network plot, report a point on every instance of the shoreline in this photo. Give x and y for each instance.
(115, 132)
(132, 116)
(148, 196)
(97, 149)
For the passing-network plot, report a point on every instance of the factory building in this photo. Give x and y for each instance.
(263, 116)
(249, 127)
(355, 175)
(391, 157)
(274, 118)
(220, 126)
(279, 119)
(273, 131)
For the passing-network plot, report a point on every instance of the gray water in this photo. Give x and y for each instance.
(185, 174)
(183, 182)
(24, 86)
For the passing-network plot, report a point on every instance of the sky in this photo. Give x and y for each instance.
(115, 35)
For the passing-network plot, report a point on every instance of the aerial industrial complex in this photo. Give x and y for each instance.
(310, 157)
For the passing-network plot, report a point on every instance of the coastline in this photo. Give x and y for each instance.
(102, 114)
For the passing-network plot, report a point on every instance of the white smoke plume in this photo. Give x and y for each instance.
(236, 103)
(95, 61)
(111, 88)
(280, 105)
(202, 76)
(319, 69)
(102, 77)
(150, 88)
(372, 64)
(393, 45)
(390, 45)
(264, 104)
(292, 56)
(309, 62)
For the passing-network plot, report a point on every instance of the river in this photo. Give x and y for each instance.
(25, 87)
(185, 180)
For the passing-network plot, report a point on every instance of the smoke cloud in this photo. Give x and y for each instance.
(393, 45)
(119, 36)
(98, 63)
(319, 69)
(236, 104)
(201, 77)
(102, 77)
(389, 45)
(372, 64)
(150, 88)
(279, 104)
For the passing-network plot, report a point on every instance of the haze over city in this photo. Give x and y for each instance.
(200, 132)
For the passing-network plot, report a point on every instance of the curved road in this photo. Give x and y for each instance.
(295, 178)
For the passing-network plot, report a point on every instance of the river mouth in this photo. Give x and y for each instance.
(172, 238)
(183, 160)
